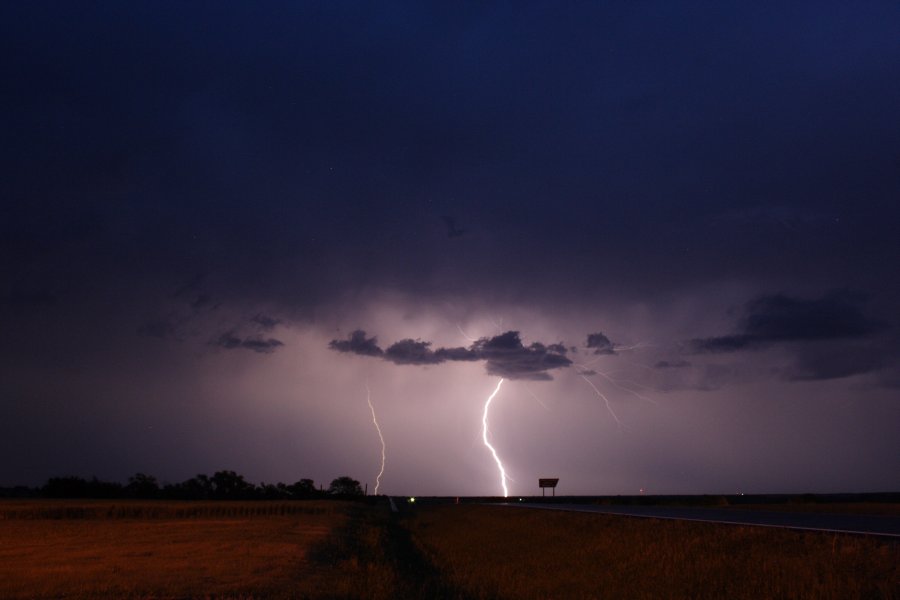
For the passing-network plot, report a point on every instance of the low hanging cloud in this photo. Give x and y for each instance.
(600, 344)
(671, 364)
(829, 338)
(357, 343)
(265, 322)
(412, 352)
(778, 318)
(230, 341)
(505, 355)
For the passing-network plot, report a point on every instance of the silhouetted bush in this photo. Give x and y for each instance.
(345, 487)
(222, 485)
(142, 486)
(76, 487)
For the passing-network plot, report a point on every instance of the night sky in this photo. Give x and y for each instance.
(670, 227)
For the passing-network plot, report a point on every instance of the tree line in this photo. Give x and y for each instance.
(221, 485)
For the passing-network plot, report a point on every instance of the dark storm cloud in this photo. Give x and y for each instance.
(600, 344)
(879, 354)
(265, 346)
(357, 343)
(837, 315)
(412, 352)
(505, 355)
(457, 354)
(780, 318)
(298, 159)
(265, 322)
(230, 341)
(154, 118)
(722, 343)
(826, 338)
(671, 364)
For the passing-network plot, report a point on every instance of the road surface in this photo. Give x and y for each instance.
(888, 526)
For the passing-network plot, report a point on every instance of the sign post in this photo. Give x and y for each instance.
(548, 483)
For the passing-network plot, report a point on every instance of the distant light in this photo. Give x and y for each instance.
(412, 499)
(520, 499)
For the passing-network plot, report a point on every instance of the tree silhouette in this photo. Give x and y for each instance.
(305, 488)
(345, 487)
(142, 486)
(231, 486)
(222, 485)
(195, 488)
(77, 487)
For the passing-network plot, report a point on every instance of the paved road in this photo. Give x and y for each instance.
(839, 523)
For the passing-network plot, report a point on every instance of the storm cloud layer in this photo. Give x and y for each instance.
(692, 205)
(504, 355)
(780, 319)
(830, 337)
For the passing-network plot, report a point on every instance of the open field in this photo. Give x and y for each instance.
(495, 552)
(102, 549)
(329, 549)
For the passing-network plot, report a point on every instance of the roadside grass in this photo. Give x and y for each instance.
(348, 550)
(155, 509)
(496, 552)
(104, 549)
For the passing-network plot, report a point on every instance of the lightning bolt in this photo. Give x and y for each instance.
(604, 398)
(618, 382)
(484, 436)
(464, 334)
(380, 437)
(538, 400)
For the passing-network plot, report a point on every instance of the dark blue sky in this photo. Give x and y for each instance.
(198, 198)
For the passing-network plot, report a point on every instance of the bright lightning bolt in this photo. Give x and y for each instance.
(484, 436)
(381, 437)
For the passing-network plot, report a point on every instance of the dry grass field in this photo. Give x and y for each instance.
(100, 549)
(327, 549)
(495, 552)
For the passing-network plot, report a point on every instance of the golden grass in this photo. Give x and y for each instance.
(151, 509)
(314, 549)
(174, 550)
(497, 552)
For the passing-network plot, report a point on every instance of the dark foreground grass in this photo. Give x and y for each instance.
(240, 550)
(335, 550)
(246, 550)
(497, 552)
